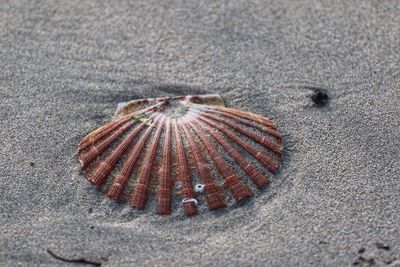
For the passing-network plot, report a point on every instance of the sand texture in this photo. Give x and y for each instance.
(64, 66)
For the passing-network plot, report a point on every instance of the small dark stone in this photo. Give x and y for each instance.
(356, 262)
(90, 210)
(361, 250)
(32, 163)
(382, 246)
(320, 97)
(92, 227)
(389, 261)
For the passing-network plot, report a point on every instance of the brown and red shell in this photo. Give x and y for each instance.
(163, 147)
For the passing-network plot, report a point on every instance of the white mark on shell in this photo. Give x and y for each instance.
(189, 200)
(199, 188)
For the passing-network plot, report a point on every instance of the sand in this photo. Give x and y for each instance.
(65, 65)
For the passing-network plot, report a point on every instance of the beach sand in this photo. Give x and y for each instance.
(65, 65)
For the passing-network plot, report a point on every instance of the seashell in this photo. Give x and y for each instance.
(181, 145)
(199, 188)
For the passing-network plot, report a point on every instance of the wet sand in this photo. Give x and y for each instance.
(65, 66)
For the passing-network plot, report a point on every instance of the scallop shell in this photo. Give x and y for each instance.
(178, 148)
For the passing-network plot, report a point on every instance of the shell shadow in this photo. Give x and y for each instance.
(131, 89)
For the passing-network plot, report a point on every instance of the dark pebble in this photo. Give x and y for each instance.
(361, 250)
(382, 246)
(320, 97)
(390, 261)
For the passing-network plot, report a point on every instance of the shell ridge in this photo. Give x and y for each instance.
(214, 198)
(259, 179)
(120, 181)
(139, 196)
(231, 179)
(253, 123)
(122, 178)
(263, 141)
(99, 133)
(96, 150)
(164, 193)
(102, 172)
(266, 161)
(248, 115)
(183, 174)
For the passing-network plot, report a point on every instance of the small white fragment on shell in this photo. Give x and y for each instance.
(121, 105)
(188, 200)
(199, 188)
